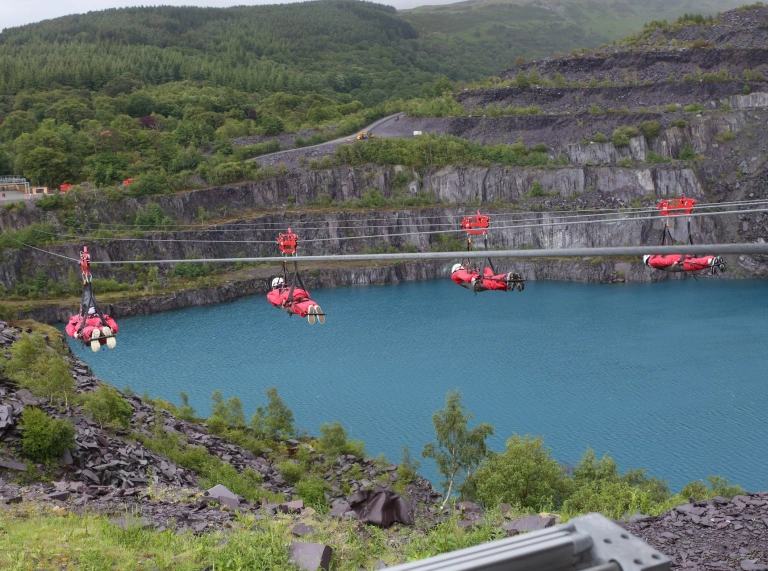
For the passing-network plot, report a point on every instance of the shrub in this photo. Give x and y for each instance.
(693, 108)
(107, 406)
(650, 129)
(687, 153)
(11, 206)
(594, 109)
(291, 471)
(439, 107)
(153, 217)
(610, 498)
(36, 366)
(746, 90)
(334, 442)
(525, 476)
(49, 202)
(153, 182)
(536, 190)
(311, 489)
(653, 158)
(725, 136)
(622, 135)
(681, 123)
(226, 173)
(718, 486)
(45, 438)
(600, 138)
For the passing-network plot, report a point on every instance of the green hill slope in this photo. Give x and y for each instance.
(502, 30)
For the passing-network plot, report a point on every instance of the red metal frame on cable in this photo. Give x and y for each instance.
(288, 243)
(476, 225)
(676, 206)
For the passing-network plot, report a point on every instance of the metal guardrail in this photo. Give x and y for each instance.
(588, 543)
(14, 183)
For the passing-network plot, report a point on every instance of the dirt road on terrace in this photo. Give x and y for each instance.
(397, 125)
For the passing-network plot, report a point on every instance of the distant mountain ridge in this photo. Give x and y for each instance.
(336, 46)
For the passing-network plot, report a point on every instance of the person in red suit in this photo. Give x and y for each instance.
(684, 263)
(470, 279)
(299, 303)
(94, 331)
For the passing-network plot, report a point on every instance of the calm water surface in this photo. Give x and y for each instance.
(671, 377)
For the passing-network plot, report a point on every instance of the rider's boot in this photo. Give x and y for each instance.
(311, 314)
(95, 345)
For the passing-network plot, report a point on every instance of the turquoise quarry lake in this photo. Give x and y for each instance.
(671, 377)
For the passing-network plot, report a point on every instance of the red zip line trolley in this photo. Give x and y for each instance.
(291, 299)
(676, 207)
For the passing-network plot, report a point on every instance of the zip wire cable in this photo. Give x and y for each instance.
(40, 249)
(541, 224)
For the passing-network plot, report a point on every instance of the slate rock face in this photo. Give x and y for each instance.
(311, 556)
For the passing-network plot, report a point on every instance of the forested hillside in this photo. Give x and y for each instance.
(159, 93)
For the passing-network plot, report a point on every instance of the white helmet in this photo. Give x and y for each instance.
(646, 258)
(91, 311)
(456, 268)
(277, 282)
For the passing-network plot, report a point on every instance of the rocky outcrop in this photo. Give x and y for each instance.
(719, 533)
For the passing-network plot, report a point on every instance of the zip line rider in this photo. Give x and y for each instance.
(681, 262)
(291, 299)
(90, 325)
(470, 279)
(484, 278)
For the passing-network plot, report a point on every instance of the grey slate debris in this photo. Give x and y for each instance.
(529, 523)
(302, 530)
(310, 556)
(711, 534)
(225, 496)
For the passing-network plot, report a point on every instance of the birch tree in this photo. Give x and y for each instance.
(458, 449)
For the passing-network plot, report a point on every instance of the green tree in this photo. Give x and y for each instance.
(186, 411)
(15, 124)
(43, 165)
(525, 475)
(230, 412)
(275, 419)
(458, 448)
